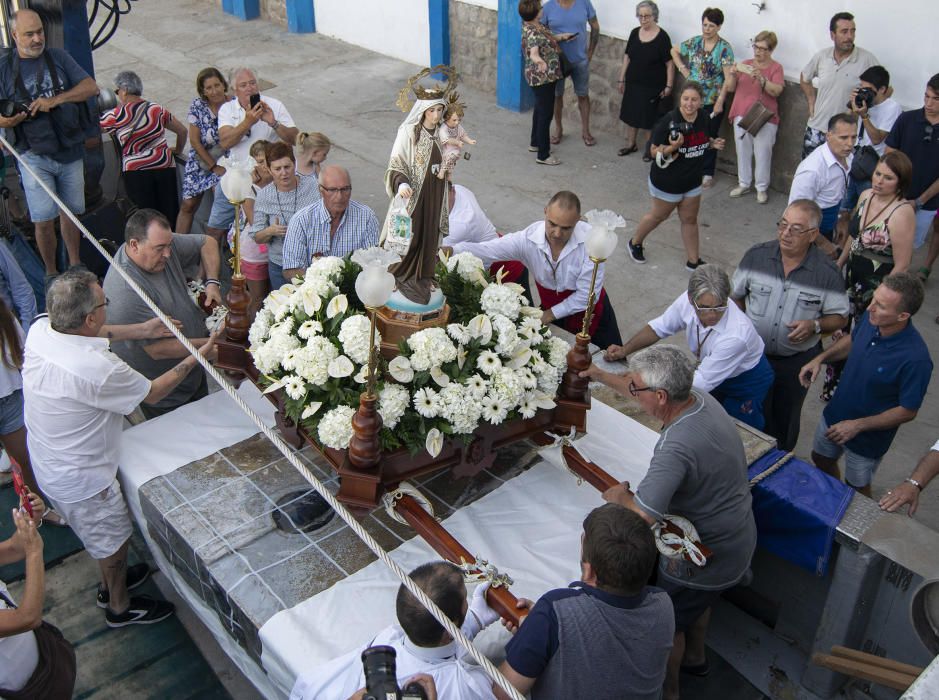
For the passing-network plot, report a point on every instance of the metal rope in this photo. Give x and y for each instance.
(285, 449)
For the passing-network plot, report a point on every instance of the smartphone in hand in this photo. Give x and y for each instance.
(19, 485)
(254, 100)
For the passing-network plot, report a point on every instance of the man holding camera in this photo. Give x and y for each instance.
(42, 92)
(420, 643)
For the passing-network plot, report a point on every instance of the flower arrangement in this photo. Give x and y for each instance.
(494, 362)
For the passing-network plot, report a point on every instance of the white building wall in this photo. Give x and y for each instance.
(397, 28)
(901, 33)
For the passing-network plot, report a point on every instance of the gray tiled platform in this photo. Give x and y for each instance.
(213, 520)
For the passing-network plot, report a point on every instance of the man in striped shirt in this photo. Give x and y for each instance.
(334, 225)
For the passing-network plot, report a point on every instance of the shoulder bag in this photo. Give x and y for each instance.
(865, 160)
(756, 117)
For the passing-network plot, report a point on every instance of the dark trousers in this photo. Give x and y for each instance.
(154, 189)
(200, 393)
(607, 330)
(714, 127)
(541, 118)
(783, 404)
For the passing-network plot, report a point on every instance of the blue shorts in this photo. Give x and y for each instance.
(67, 180)
(275, 273)
(11, 412)
(858, 470)
(223, 211)
(580, 76)
(673, 198)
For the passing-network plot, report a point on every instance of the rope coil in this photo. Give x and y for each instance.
(390, 500)
(452, 629)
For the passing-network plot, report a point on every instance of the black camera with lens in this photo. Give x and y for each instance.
(864, 97)
(676, 129)
(10, 108)
(381, 679)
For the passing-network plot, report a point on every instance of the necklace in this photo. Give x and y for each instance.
(868, 220)
(697, 328)
(285, 218)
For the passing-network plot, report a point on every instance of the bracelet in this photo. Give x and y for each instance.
(212, 280)
(911, 480)
(275, 125)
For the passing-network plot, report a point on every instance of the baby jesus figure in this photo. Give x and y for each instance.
(452, 136)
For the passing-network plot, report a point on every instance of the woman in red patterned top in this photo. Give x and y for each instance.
(146, 159)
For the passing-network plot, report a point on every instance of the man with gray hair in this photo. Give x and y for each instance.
(731, 364)
(76, 394)
(698, 471)
(244, 119)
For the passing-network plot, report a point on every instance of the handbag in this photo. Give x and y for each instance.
(215, 150)
(755, 118)
(865, 160)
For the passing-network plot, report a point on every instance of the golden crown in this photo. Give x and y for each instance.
(424, 92)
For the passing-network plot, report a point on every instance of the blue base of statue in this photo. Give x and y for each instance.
(399, 302)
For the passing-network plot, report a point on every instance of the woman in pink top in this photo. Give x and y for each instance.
(758, 79)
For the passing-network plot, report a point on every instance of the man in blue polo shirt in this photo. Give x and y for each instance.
(882, 386)
(606, 636)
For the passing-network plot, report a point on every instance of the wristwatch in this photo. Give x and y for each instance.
(915, 483)
(818, 327)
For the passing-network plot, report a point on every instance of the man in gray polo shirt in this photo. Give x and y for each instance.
(159, 260)
(698, 471)
(793, 293)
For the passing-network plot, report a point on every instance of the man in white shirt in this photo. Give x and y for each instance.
(823, 176)
(246, 118)
(420, 642)
(729, 351)
(77, 393)
(555, 253)
(837, 70)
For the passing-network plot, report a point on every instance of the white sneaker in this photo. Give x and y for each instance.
(739, 191)
(707, 182)
(5, 465)
(762, 197)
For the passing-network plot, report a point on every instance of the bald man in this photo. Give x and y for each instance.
(334, 225)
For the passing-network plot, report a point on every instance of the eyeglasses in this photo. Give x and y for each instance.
(705, 309)
(635, 390)
(645, 16)
(758, 47)
(337, 190)
(927, 138)
(106, 302)
(795, 230)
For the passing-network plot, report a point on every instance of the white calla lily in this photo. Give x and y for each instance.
(311, 300)
(480, 327)
(311, 410)
(434, 442)
(275, 386)
(460, 356)
(337, 305)
(439, 376)
(400, 368)
(520, 358)
(543, 400)
(340, 367)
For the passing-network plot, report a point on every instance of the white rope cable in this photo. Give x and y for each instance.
(285, 449)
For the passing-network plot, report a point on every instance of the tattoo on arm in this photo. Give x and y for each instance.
(181, 369)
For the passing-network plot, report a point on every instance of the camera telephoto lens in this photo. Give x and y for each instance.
(381, 680)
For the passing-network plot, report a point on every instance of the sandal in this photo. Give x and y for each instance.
(54, 519)
(923, 274)
(589, 140)
(647, 158)
(626, 150)
(556, 138)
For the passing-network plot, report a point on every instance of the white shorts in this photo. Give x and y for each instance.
(101, 522)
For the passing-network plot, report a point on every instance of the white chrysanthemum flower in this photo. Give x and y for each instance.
(400, 369)
(393, 401)
(502, 300)
(527, 407)
(295, 387)
(477, 386)
(495, 409)
(488, 362)
(434, 442)
(309, 328)
(353, 334)
(459, 333)
(425, 402)
(340, 367)
(260, 327)
(529, 380)
(335, 428)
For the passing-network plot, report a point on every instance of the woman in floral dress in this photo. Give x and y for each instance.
(542, 71)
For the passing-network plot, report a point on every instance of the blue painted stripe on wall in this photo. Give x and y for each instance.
(512, 92)
(438, 12)
(301, 16)
(246, 9)
(228, 6)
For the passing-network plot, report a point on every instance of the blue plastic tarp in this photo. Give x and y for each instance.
(797, 509)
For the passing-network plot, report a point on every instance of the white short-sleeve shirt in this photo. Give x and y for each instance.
(232, 114)
(725, 350)
(76, 394)
(468, 222)
(19, 654)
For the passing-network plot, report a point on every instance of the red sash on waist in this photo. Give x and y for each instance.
(574, 322)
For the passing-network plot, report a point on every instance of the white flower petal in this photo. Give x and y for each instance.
(480, 327)
(341, 367)
(275, 386)
(439, 376)
(400, 369)
(311, 409)
(337, 305)
(434, 442)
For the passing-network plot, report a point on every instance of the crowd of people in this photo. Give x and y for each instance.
(862, 200)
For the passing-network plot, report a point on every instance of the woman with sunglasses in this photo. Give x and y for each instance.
(731, 362)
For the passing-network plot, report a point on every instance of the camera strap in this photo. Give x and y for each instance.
(53, 73)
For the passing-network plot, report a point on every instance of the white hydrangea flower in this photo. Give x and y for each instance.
(313, 362)
(506, 335)
(353, 334)
(426, 403)
(393, 401)
(430, 347)
(467, 266)
(335, 428)
(458, 407)
(400, 368)
(502, 300)
(506, 384)
(328, 268)
(260, 328)
(488, 362)
(558, 351)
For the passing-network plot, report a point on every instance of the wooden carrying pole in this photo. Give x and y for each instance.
(869, 667)
(499, 598)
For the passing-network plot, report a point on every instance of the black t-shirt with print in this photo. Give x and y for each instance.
(687, 170)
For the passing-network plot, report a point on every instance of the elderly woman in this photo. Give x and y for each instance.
(202, 170)
(731, 363)
(647, 75)
(146, 159)
(759, 79)
(542, 72)
(707, 59)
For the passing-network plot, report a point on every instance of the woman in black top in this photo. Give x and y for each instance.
(647, 75)
(679, 141)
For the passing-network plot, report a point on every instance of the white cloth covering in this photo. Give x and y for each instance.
(232, 114)
(728, 348)
(76, 394)
(821, 178)
(571, 271)
(454, 678)
(19, 654)
(468, 222)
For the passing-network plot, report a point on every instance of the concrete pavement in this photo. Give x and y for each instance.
(349, 94)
